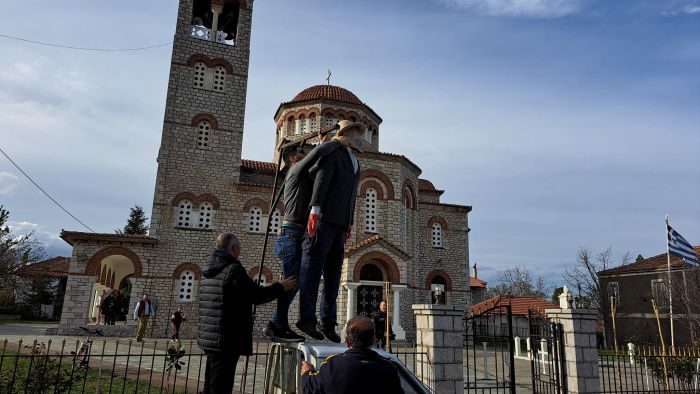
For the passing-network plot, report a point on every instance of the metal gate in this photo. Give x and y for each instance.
(546, 355)
(488, 360)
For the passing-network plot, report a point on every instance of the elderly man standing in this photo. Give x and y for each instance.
(359, 370)
(336, 174)
(226, 298)
(142, 312)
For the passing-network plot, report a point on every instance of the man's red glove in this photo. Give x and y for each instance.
(313, 221)
(347, 234)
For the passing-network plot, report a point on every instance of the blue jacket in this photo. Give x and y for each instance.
(356, 371)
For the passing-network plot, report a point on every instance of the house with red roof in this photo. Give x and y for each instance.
(634, 286)
(520, 309)
(56, 269)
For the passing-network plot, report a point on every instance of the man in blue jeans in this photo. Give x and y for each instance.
(297, 192)
(336, 175)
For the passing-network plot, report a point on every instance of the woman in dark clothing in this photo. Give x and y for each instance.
(176, 320)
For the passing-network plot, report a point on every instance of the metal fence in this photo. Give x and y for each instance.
(649, 369)
(127, 366)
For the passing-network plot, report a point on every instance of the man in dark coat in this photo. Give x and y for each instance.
(336, 174)
(226, 298)
(359, 370)
(380, 323)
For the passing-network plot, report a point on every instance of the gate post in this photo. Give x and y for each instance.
(440, 335)
(580, 363)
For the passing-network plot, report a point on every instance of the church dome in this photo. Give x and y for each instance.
(329, 92)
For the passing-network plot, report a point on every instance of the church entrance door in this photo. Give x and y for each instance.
(371, 290)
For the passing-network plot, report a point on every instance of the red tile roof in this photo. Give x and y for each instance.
(424, 184)
(330, 92)
(56, 267)
(474, 282)
(72, 236)
(363, 243)
(519, 305)
(259, 165)
(655, 263)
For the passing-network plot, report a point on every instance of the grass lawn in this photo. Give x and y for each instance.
(39, 374)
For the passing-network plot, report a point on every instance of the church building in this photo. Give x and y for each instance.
(404, 239)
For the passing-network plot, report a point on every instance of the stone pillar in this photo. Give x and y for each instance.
(580, 353)
(396, 313)
(440, 335)
(350, 311)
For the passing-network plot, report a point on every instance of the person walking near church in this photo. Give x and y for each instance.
(226, 298)
(380, 323)
(176, 321)
(336, 175)
(142, 312)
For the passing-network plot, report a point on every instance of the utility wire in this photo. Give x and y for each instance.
(83, 48)
(44, 191)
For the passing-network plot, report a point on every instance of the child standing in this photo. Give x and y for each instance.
(176, 320)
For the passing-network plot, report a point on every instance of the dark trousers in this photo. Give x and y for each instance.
(219, 373)
(288, 248)
(322, 255)
(176, 330)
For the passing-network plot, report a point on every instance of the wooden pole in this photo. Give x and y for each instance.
(613, 314)
(670, 288)
(387, 323)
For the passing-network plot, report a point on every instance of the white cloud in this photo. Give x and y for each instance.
(8, 182)
(689, 9)
(523, 8)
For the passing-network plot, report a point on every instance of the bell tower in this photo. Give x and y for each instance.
(200, 152)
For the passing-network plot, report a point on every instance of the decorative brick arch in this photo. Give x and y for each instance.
(93, 266)
(408, 186)
(184, 196)
(372, 173)
(383, 260)
(222, 62)
(445, 275)
(437, 219)
(264, 206)
(373, 185)
(198, 57)
(187, 267)
(208, 117)
(253, 274)
(206, 197)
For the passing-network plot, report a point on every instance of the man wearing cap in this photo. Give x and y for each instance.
(336, 174)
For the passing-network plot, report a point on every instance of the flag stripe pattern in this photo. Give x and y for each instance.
(678, 246)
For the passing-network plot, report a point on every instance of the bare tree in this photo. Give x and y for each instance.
(685, 289)
(519, 282)
(582, 278)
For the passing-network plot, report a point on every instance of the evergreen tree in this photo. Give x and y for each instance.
(137, 222)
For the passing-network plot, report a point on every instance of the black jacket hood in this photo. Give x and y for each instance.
(218, 260)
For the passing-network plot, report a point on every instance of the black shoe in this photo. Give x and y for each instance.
(282, 334)
(309, 328)
(328, 330)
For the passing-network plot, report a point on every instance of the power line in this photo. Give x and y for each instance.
(44, 191)
(83, 48)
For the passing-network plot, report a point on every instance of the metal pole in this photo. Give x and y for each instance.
(670, 288)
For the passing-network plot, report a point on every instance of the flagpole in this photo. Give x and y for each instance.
(670, 288)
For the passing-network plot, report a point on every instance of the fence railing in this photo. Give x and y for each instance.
(127, 366)
(649, 369)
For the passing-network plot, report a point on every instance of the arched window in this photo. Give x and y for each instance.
(185, 286)
(203, 135)
(262, 282)
(275, 222)
(255, 217)
(206, 215)
(228, 24)
(302, 124)
(184, 214)
(437, 235)
(437, 290)
(219, 78)
(371, 211)
(290, 125)
(313, 123)
(329, 121)
(200, 70)
(371, 272)
(368, 135)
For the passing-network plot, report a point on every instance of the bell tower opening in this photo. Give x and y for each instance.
(216, 20)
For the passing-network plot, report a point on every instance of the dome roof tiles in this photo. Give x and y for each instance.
(329, 92)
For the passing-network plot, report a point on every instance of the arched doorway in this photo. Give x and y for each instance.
(112, 268)
(371, 290)
(437, 290)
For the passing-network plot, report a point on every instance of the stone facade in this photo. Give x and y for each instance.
(204, 187)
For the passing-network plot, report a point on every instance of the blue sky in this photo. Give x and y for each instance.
(564, 123)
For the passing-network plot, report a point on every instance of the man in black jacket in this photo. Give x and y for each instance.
(226, 298)
(380, 323)
(336, 175)
(359, 370)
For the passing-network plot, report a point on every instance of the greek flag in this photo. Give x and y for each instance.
(678, 246)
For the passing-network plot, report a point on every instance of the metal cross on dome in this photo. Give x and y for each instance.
(328, 78)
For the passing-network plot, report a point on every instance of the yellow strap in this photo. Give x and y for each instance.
(314, 373)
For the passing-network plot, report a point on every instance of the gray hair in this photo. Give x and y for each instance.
(360, 332)
(226, 240)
